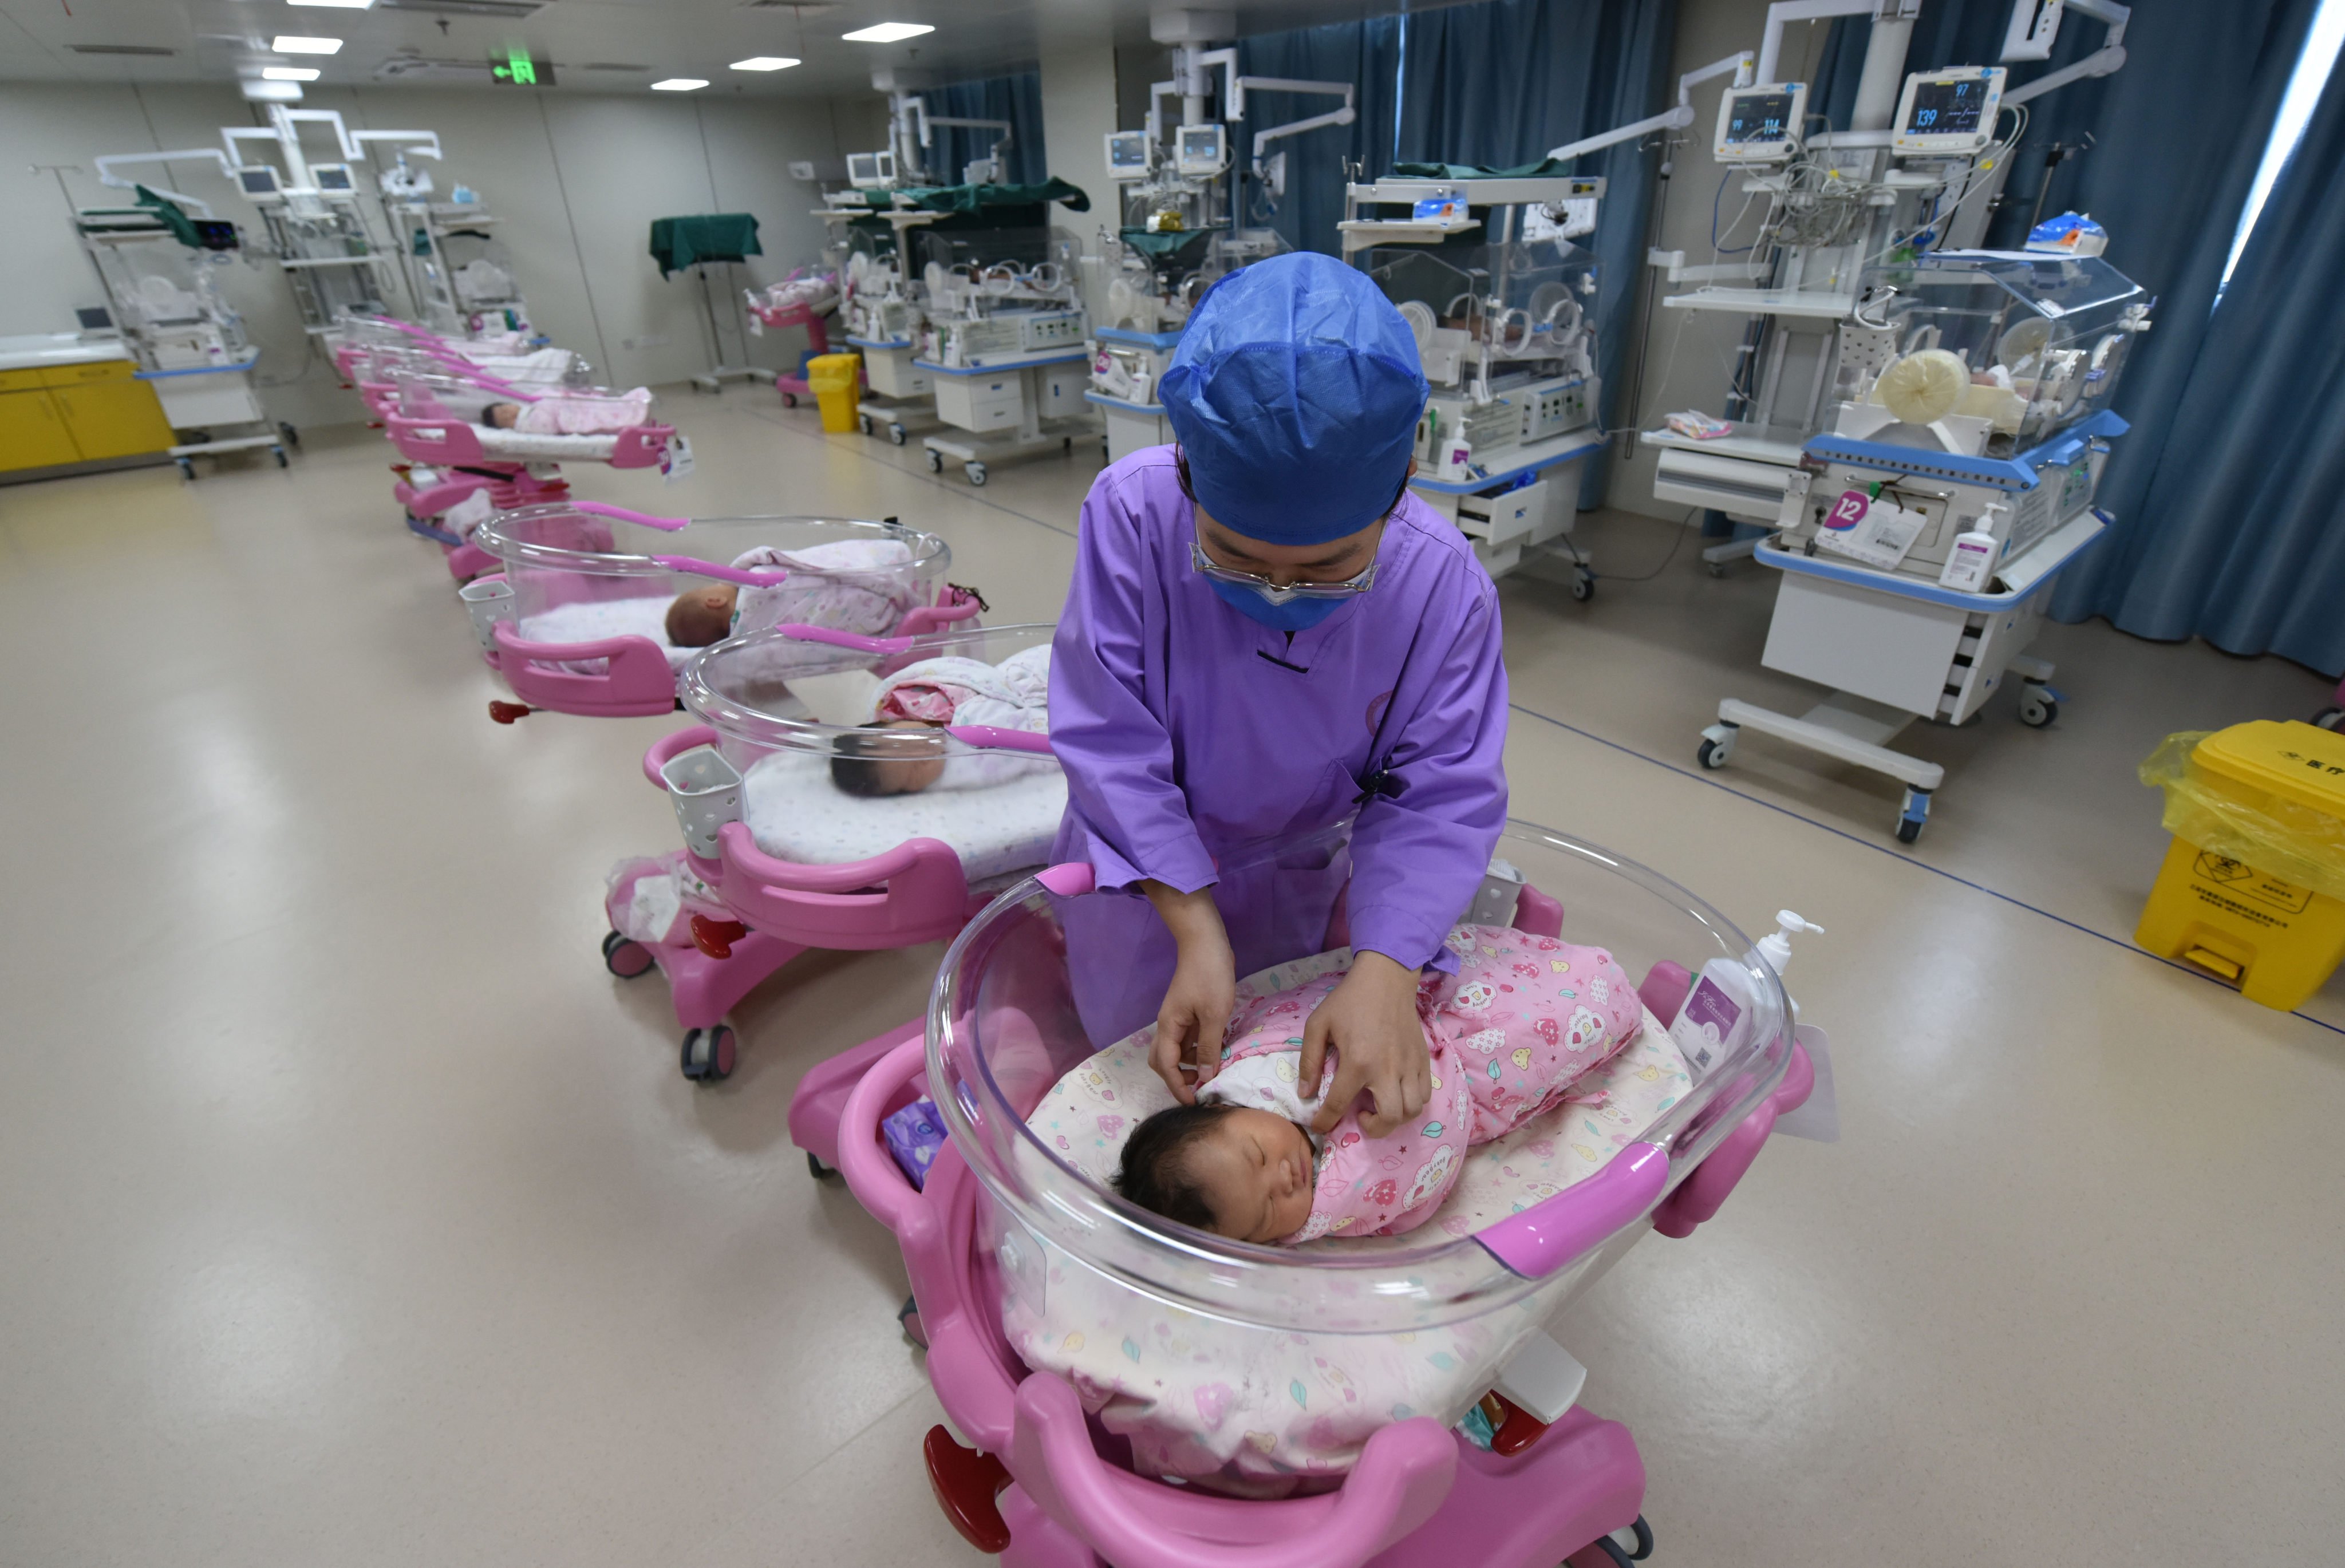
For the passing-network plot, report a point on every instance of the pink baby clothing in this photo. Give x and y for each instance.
(1522, 1020)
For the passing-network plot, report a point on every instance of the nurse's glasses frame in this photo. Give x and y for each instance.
(1213, 570)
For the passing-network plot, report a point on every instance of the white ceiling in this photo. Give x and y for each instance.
(447, 43)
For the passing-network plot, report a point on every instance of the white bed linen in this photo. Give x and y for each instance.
(796, 812)
(589, 620)
(497, 443)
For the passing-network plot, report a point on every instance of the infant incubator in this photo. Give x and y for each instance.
(780, 859)
(1299, 1402)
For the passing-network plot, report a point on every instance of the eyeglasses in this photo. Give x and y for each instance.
(1213, 570)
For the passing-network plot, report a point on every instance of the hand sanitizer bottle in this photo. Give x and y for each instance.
(1716, 1018)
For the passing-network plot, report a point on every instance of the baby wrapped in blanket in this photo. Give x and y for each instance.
(572, 413)
(855, 585)
(920, 698)
(1522, 1020)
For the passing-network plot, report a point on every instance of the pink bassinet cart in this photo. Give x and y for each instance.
(762, 747)
(1049, 1486)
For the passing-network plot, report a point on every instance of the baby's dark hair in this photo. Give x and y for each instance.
(849, 770)
(1153, 1176)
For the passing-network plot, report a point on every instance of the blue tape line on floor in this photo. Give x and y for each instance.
(1901, 859)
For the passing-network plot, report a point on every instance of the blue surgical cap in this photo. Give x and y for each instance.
(1295, 393)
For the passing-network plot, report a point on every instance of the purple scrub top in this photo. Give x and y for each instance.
(1203, 747)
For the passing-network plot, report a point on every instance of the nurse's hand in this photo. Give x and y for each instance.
(1195, 1013)
(1370, 1018)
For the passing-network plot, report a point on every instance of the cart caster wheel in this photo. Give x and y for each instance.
(863, 423)
(292, 437)
(708, 1055)
(817, 1169)
(1066, 446)
(186, 469)
(907, 1318)
(936, 461)
(624, 956)
(789, 399)
(2329, 718)
(1583, 585)
(2038, 705)
(896, 434)
(1604, 1552)
(1717, 745)
(282, 462)
(976, 472)
(1913, 814)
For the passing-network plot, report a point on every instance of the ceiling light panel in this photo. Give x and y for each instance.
(763, 63)
(288, 73)
(294, 43)
(679, 85)
(887, 32)
(335, 4)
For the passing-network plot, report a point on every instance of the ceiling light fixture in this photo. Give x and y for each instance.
(763, 63)
(887, 32)
(288, 73)
(679, 85)
(294, 43)
(337, 4)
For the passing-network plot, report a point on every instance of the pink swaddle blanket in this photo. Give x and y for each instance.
(1014, 694)
(856, 585)
(585, 413)
(1522, 1020)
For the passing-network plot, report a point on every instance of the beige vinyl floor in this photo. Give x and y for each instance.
(350, 1214)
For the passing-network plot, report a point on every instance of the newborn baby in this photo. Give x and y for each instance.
(572, 414)
(856, 585)
(904, 755)
(1522, 1020)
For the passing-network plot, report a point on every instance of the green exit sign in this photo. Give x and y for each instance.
(517, 68)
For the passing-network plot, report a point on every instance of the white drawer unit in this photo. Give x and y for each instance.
(1512, 517)
(893, 374)
(980, 403)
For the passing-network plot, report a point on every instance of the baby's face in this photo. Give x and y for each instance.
(917, 764)
(504, 416)
(1255, 1166)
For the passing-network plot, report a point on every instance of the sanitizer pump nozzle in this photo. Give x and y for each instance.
(1775, 946)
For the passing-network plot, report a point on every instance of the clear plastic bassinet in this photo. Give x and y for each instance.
(1003, 1028)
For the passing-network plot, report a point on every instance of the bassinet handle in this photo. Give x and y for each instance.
(1559, 1230)
(746, 576)
(604, 508)
(870, 1171)
(993, 738)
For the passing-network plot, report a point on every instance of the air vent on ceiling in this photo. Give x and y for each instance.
(801, 6)
(414, 68)
(611, 65)
(504, 10)
(151, 49)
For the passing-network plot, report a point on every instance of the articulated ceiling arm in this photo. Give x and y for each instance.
(106, 177)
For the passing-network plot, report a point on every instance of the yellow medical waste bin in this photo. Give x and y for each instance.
(2253, 888)
(835, 379)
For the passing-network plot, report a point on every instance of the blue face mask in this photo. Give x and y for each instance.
(1295, 615)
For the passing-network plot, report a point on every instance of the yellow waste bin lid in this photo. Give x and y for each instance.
(2298, 762)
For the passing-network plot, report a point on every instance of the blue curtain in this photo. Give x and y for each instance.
(2238, 537)
(1365, 53)
(1499, 83)
(1019, 100)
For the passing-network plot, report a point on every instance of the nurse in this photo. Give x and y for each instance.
(1267, 633)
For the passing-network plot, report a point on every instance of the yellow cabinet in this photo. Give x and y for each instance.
(114, 417)
(32, 432)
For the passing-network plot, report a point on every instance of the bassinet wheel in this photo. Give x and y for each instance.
(1601, 1552)
(282, 460)
(624, 956)
(863, 423)
(187, 468)
(708, 1055)
(2328, 718)
(292, 437)
(1643, 1534)
(896, 434)
(789, 399)
(976, 472)
(817, 1169)
(935, 460)
(907, 1318)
